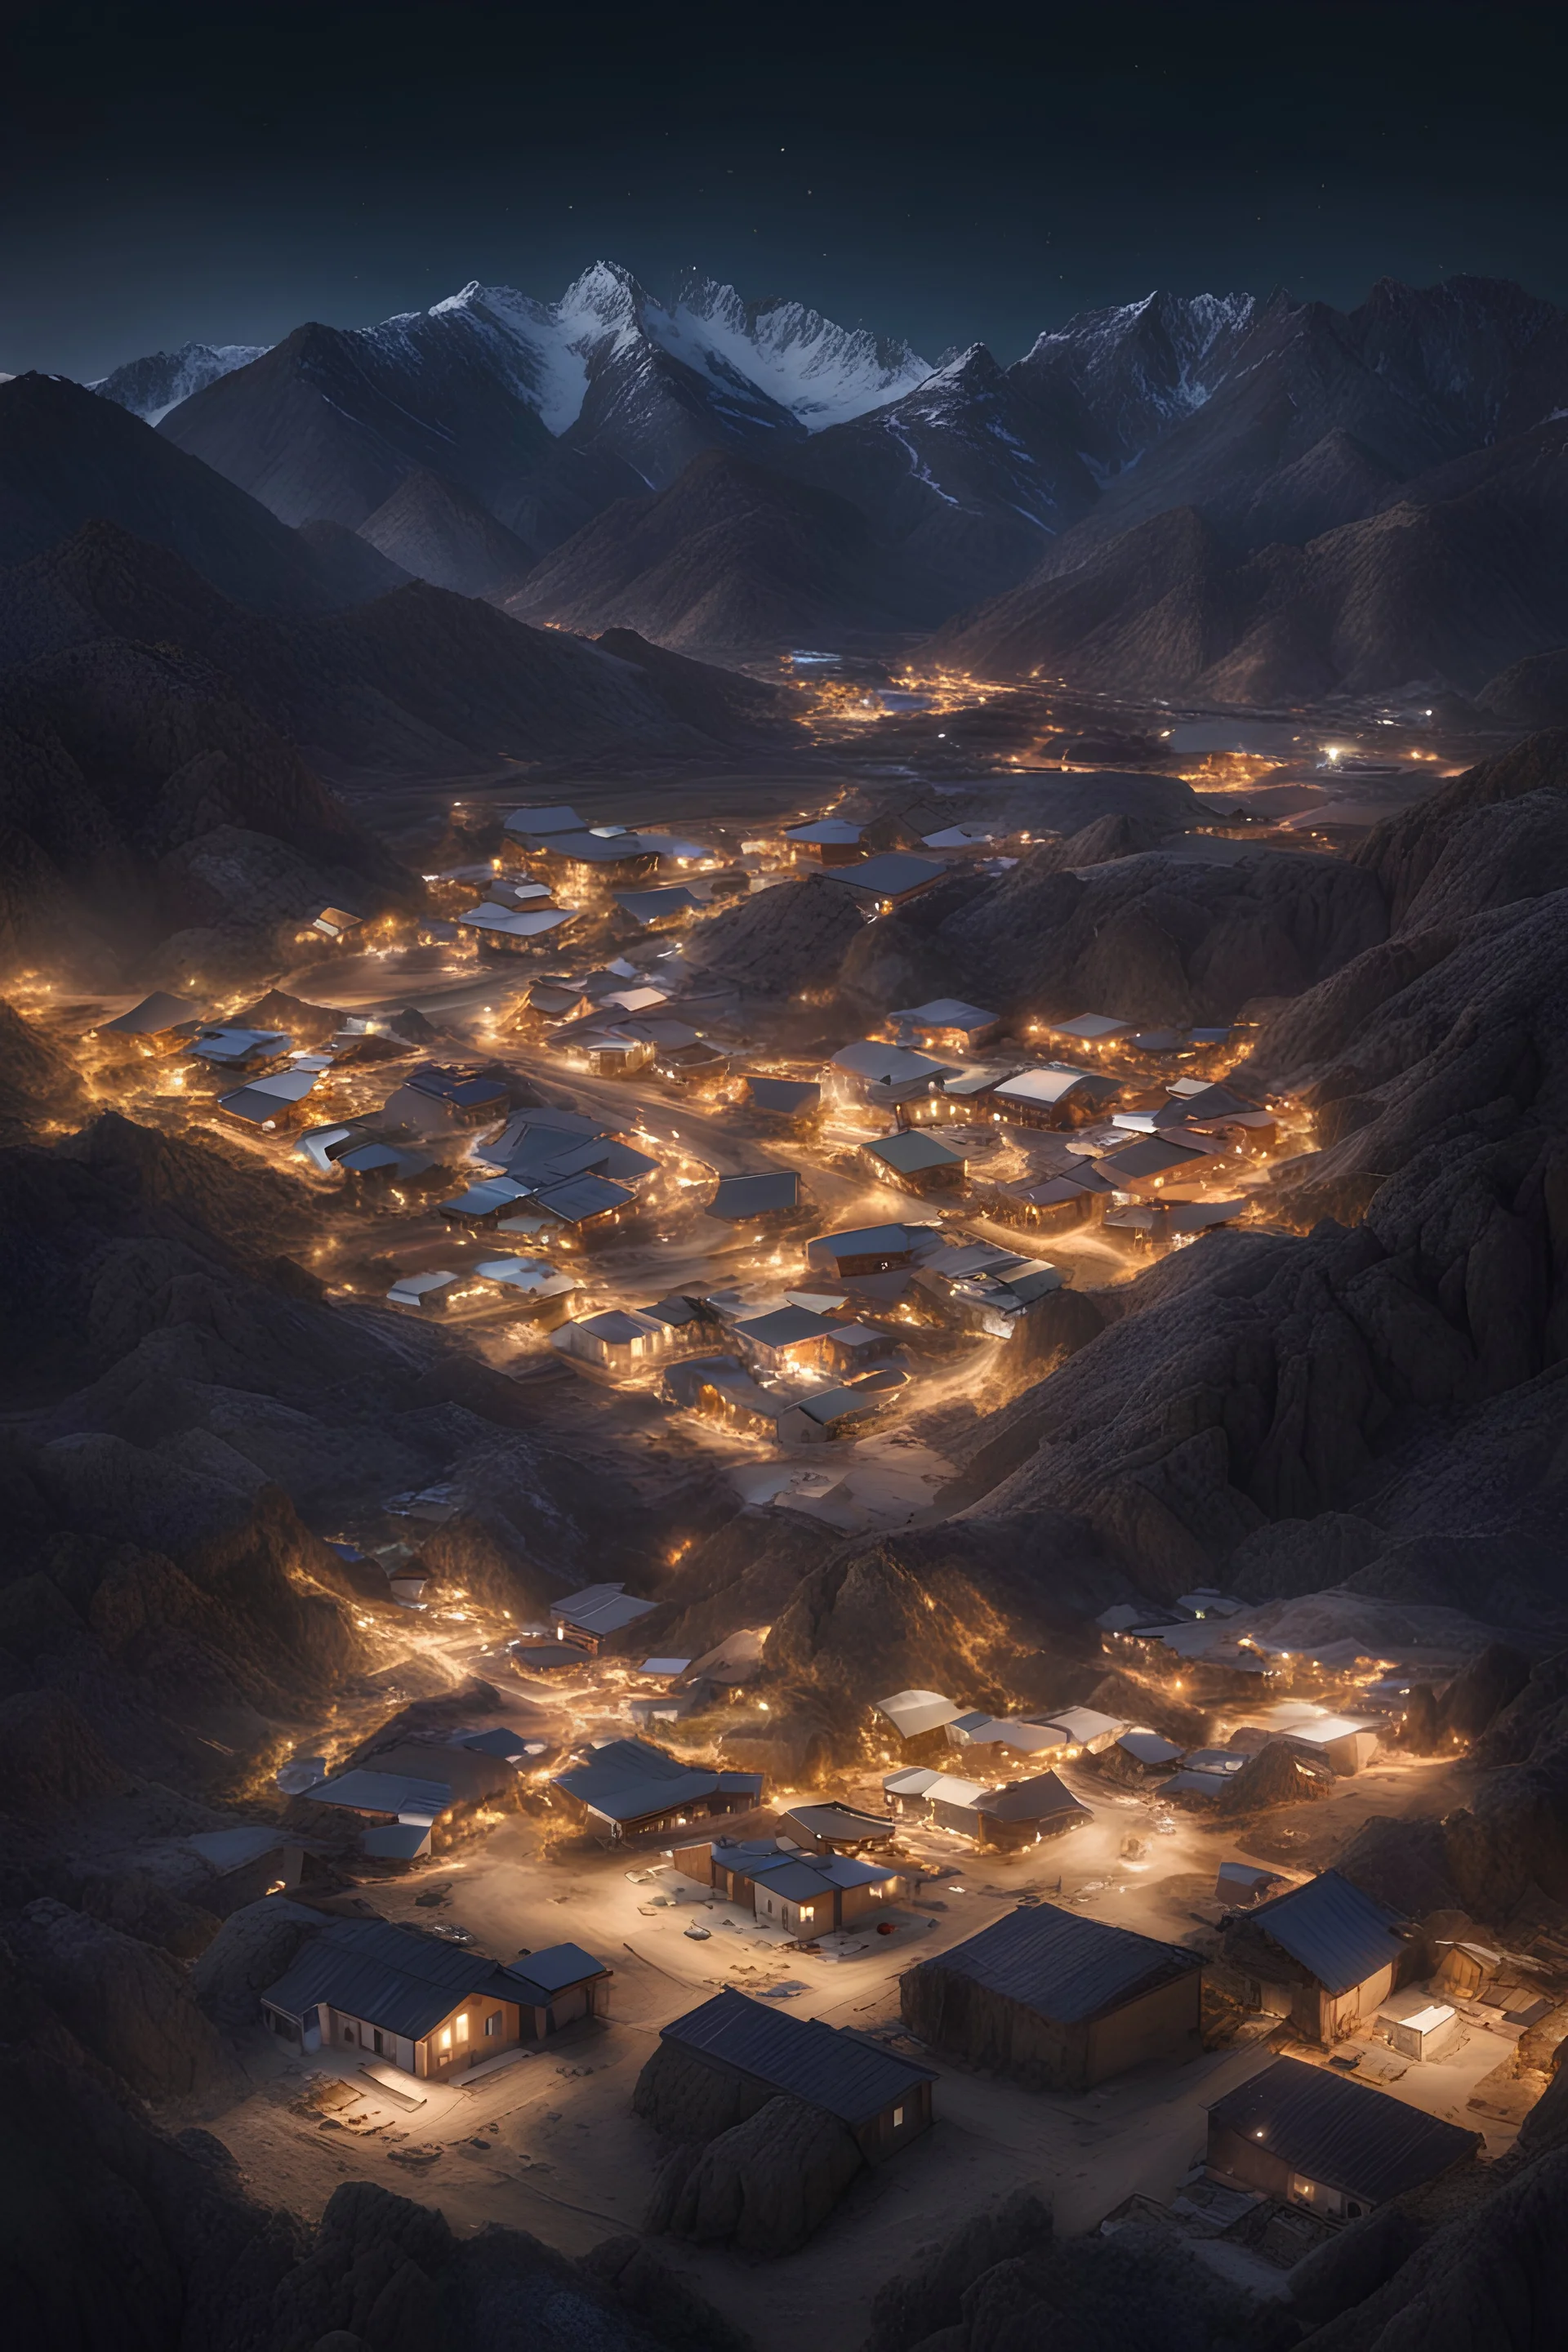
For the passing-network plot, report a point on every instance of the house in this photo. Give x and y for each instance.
(158, 1024)
(1350, 1743)
(270, 1103)
(584, 1206)
(513, 930)
(604, 858)
(1327, 1955)
(627, 1787)
(693, 1062)
(1136, 1756)
(883, 2099)
(1156, 1162)
(833, 1827)
(1092, 1031)
(426, 1293)
(1059, 2000)
(828, 841)
(1002, 1736)
(871, 1249)
(251, 1051)
(850, 1346)
(591, 1616)
(946, 1023)
(528, 1283)
(1022, 1813)
(525, 826)
(916, 1162)
(789, 1339)
(752, 1200)
(982, 1287)
(434, 1099)
(719, 1390)
(1056, 1203)
(880, 884)
(684, 1322)
(485, 1203)
(1083, 1731)
(905, 1792)
(1310, 2136)
(827, 1414)
(1055, 1096)
(807, 1895)
(794, 1100)
(879, 1076)
(656, 910)
(915, 1714)
(618, 1341)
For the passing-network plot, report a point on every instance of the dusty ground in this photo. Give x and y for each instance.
(561, 2154)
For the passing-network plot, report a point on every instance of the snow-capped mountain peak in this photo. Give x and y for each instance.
(150, 387)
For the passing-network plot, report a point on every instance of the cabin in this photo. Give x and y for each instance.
(1327, 1955)
(528, 829)
(881, 2098)
(499, 930)
(807, 1895)
(876, 1076)
(268, 1103)
(896, 878)
(1058, 2001)
(620, 1340)
(755, 1199)
(591, 1616)
(946, 1024)
(719, 1389)
(425, 2006)
(1310, 2136)
(250, 1051)
(825, 1415)
(918, 1714)
(915, 1162)
(1154, 1162)
(586, 1208)
(871, 1249)
(1087, 1032)
(628, 1788)
(827, 841)
(792, 1101)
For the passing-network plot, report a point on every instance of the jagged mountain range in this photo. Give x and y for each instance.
(1249, 436)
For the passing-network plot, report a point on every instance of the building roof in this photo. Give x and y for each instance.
(555, 1967)
(908, 1154)
(836, 1821)
(600, 1608)
(1043, 1798)
(825, 1405)
(832, 831)
(516, 922)
(869, 1241)
(946, 1013)
(892, 875)
(626, 1779)
(912, 1712)
(152, 1017)
(544, 821)
(1068, 1968)
(1154, 1155)
(1340, 1934)
(1149, 1748)
(796, 1876)
(824, 2066)
(1082, 1724)
(764, 1194)
(226, 1850)
(363, 1791)
(487, 1199)
(1045, 1086)
(582, 1197)
(785, 1327)
(1341, 2134)
(390, 1976)
(914, 1780)
(464, 1089)
(654, 906)
(263, 1105)
(1091, 1028)
(787, 1094)
(887, 1065)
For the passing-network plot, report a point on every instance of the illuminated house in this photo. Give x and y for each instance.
(1327, 1955)
(618, 1341)
(808, 1895)
(880, 1075)
(947, 1024)
(881, 884)
(1052, 1096)
(1310, 2136)
(915, 1162)
(423, 2005)
(881, 2099)
(626, 1788)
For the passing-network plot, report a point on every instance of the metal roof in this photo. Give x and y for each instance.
(396, 1841)
(154, 1014)
(1042, 1085)
(886, 1066)
(834, 1404)
(1149, 1748)
(1091, 1027)
(228, 1850)
(384, 1792)
(1042, 1799)
(1337, 1932)
(1071, 1970)
(238, 1045)
(739, 1197)
(785, 1094)
(390, 1976)
(914, 1781)
(1084, 1723)
(555, 1967)
(908, 1154)
(1154, 1156)
(516, 922)
(544, 821)
(825, 2067)
(835, 1821)
(835, 831)
(912, 1712)
(602, 1607)
(783, 1328)
(581, 1198)
(1344, 2135)
(890, 875)
(869, 1241)
(947, 1013)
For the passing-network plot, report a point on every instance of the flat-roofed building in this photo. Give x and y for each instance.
(1310, 2136)
(1057, 2000)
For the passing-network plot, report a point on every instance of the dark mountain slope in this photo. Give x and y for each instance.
(420, 679)
(438, 531)
(730, 555)
(68, 458)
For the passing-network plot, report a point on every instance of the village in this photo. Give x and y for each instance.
(1102, 1946)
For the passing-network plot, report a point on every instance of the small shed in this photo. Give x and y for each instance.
(1326, 1954)
(1417, 2026)
(1465, 1970)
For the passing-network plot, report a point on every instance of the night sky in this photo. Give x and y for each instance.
(225, 171)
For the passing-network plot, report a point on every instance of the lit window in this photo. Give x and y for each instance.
(898, 2118)
(492, 2023)
(808, 1911)
(463, 2026)
(447, 2038)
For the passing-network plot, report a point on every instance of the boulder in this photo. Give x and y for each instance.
(129, 2004)
(763, 2186)
(252, 1948)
